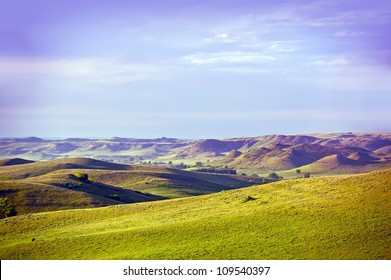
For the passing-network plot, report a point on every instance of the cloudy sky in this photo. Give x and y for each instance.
(194, 69)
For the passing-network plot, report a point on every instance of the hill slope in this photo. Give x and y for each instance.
(44, 167)
(55, 185)
(339, 217)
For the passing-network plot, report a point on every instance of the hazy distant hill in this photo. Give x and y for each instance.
(270, 153)
(14, 161)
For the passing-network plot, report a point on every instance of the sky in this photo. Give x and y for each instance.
(194, 69)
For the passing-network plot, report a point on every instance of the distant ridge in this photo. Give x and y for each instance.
(14, 161)
(254, 155)
(30, 140)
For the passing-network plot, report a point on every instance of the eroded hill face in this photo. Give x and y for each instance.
(355, 152)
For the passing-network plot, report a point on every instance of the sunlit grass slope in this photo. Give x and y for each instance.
(338, 217)
(155, 180)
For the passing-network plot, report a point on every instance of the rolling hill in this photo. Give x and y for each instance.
(60, 184)
(360, 153)
(334, 217)
(259, 155)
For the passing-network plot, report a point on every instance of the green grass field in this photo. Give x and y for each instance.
(53, 185)
(336, 217)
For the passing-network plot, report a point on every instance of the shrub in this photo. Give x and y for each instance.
(82, 176)
(248, 198)
(6, 208)
(273, 175)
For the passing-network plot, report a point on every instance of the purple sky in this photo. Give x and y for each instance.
(193, 69)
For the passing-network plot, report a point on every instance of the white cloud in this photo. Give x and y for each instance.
(242, 70)
(338, 61)
(318, 14)
(224, 38)
(282, 47)
(228, 57)
(231, 35)
(349, 33)
(96, 70)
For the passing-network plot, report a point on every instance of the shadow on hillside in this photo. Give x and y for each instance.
(113, 194)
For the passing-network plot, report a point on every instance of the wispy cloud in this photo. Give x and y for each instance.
(283, 46)
(336, 61)
(349, 33)
(316, 14)
(93, 70)
(228, 57)
(222, 37)
(242, 70)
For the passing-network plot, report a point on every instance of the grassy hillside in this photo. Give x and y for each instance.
(337, 217)
(22, 171)
(171, 183)
(65, 191)
(54, 185)
(31, 197)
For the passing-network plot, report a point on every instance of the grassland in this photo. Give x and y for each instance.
(335, 217)
(53, 185)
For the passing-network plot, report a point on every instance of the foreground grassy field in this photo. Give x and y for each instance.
(337, 217)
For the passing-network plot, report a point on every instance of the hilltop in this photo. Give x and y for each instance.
(334, 217)
(14, 161)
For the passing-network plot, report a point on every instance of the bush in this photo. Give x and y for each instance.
(248, 198)
(6, 208)
(273, 175)
(82, 176)
(217, 170)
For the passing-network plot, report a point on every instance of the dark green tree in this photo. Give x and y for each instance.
(273, 175)
(6, 208)
(82, 176)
